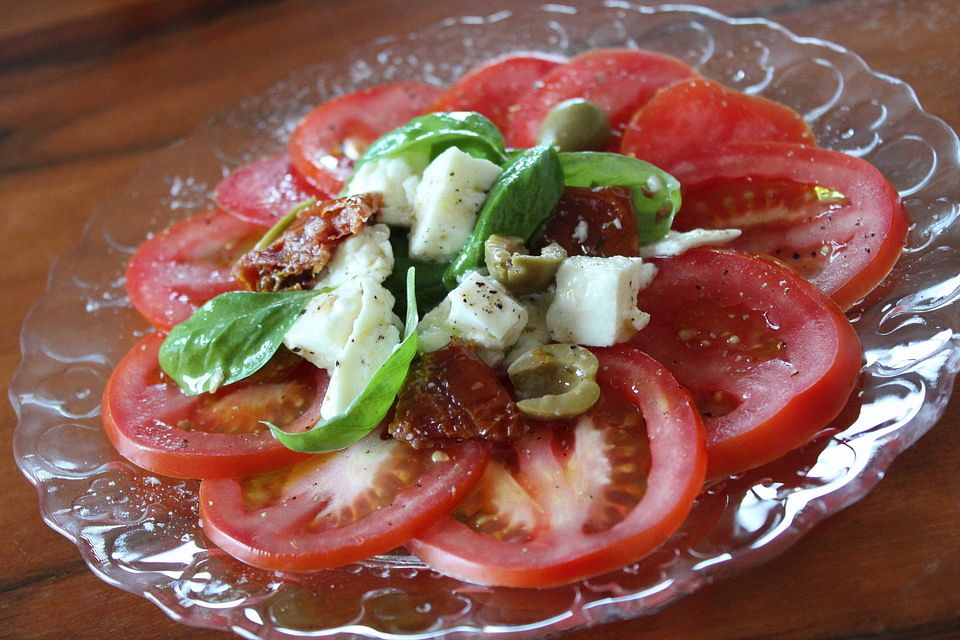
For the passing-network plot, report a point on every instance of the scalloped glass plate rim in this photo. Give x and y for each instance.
(605, 608)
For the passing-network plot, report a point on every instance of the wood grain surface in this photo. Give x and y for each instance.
(88, 89)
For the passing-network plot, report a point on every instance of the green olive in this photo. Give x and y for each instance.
(521, 273)
(555, 381)
(576, 125)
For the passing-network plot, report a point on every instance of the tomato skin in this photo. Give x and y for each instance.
(139, 404)
(871, 227)
(288, 536)
(619, 81)
(493, 88)
(690, 117)
(784, 403)
(265, 190)
(170, 275)
(553, 558)
(317, 145)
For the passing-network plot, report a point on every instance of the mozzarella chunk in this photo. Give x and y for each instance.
(678, 242)
(397, 180)
(596, 300)
(366, 254)
(535, 333)
(479, 310)
(350, 331)
(450, 194)
(324, 326)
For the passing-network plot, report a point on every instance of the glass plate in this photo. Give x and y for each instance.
(140, 532)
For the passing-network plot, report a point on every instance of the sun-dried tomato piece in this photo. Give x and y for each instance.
(453, 394)
(304, 248)
(596, 221)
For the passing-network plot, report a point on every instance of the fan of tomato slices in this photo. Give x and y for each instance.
(747, 355)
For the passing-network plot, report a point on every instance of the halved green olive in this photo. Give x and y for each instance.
(576, 125)
(555, 381)
(508, 262)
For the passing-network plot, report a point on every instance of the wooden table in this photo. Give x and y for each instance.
(89, 89)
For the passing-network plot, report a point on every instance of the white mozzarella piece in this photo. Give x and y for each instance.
(483, 311)
(396, 179)
(350, 331)
(480, 310)
(324, 326)
(374, 336)
(535, 333)
(678, 242)
(450, 194)
(596, 300)
(365, 254)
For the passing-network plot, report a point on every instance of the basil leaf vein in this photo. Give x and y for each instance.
(368, 409)
(229, 338)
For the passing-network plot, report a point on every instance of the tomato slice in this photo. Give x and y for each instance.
(338, 508)
(832, 217)
(493, 89)
(568, 503)
(768, 358)
(619, 81)
(265, 190)
(179, 269)
(684, 120)
(330, 138)
(155, 426)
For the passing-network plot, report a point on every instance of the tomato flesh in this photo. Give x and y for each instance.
(619, 81)
(330, 138)
(265, 190)
(564, 504)
(594, 222)
(179, 269)
(846, 243)
(153, 424)
(768, 358)
(337, 508)
(493, 89)
(690, 117)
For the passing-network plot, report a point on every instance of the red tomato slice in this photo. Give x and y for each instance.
(155, 426)
(330, 138)
(265, 190)
(179, 269)
(845, 244)
(769, 359)
(494, 88)
(338, 508)
(619, 81)
(690, 117)
(568, 503)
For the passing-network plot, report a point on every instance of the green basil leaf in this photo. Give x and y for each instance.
(368, 409)
(229, 338)
(656, 193)
(519, 204)
(430, 289)
(425, 137)
(281, 225)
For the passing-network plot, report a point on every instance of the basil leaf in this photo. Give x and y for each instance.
(371, 406)
(281, 225)
(656, 193)
(430, 289)
(425, 137)
(519, 204)
(229, 338)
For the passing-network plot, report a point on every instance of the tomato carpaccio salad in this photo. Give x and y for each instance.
(512, 325)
